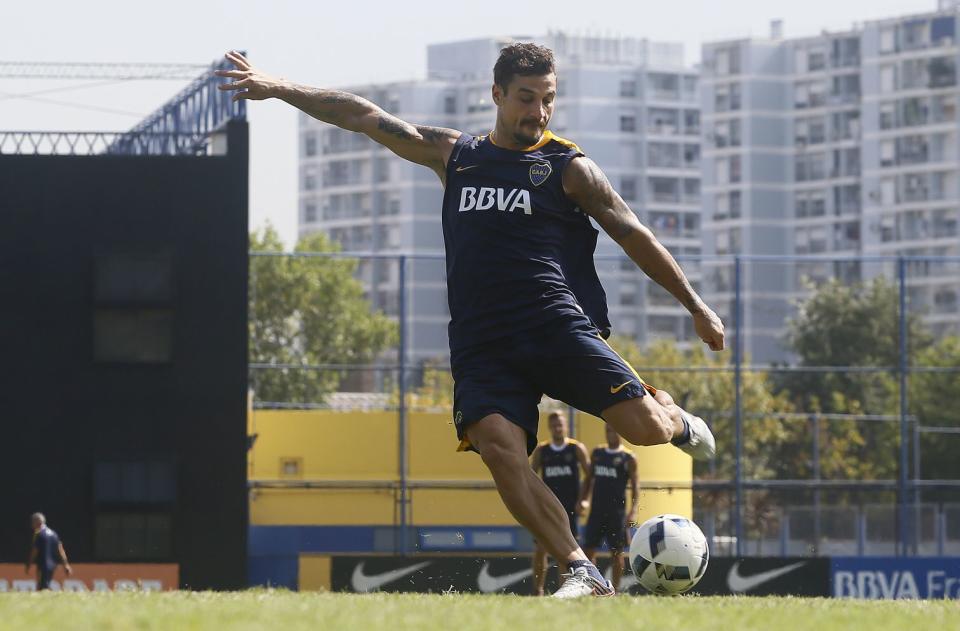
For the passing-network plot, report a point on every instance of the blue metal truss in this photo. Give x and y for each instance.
(183, 124)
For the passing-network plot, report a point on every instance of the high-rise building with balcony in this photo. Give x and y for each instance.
(841, 144)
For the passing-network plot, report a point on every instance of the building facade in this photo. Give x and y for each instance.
(843, 144)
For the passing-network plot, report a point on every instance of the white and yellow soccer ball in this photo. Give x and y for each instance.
(669, 554)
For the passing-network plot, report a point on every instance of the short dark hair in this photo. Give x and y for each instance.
(524, 60)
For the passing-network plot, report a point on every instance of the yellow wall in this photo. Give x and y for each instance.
(364, 446)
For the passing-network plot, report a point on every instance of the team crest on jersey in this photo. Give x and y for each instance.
(539, 172)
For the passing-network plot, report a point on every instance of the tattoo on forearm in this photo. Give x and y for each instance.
(394, 126)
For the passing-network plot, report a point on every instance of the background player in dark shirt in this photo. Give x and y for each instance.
(528, 313)
(613, 469)
(559, 462)
(46, 551)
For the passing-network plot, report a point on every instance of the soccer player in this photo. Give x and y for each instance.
(46, 551)
(612, 467)
(528, 315)
(559, 462)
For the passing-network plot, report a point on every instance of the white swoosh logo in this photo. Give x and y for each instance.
(739, 583)
(472, 166)
(367, 583)
(488, 583)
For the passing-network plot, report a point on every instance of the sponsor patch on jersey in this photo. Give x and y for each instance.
(539, 172)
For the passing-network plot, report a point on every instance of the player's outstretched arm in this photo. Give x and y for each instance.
(585, 184)
(429, 146)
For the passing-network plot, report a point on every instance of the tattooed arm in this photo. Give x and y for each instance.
(585, 184)
(429, 146)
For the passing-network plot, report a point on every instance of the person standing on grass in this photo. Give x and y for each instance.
(46, 551)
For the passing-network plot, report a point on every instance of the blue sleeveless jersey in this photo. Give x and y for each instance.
(519, 252)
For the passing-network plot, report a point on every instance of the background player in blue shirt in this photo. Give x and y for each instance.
(528, 313)
(613, 470)
(559, 462)
(46, 551)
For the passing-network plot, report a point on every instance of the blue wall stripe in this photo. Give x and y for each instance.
(273, 571)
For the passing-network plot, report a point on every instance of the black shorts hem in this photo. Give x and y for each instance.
(465, 444)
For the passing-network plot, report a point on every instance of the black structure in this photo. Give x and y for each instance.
(123, 329)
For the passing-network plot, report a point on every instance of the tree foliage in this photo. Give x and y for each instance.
(308, 311)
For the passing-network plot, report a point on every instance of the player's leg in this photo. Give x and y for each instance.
(587, 373)
(657, 419)
(616, 565)
(503, 449)
(539, 568)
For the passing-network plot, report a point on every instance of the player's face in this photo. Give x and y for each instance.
(526, 106)
(36, 523)
(558, 428)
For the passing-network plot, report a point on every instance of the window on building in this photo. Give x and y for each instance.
(450, 104)
(628, 188)
(665, 190)
(816, 60)
(310, 144)
(664, 155)
(662, 121)
(942, 31)
(628, 88)
(628, 123)
(309, 212)
(691, 122)
(888, 39)
(942, 72)
(888, 78)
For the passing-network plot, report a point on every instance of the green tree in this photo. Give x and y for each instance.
(856, 325)
(932, 396)
(308, 311)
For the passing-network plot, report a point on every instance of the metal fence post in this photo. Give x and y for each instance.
(402, 407)
(738, 404)
(902, 368)
(817, 524)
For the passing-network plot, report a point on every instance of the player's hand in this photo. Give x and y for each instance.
(68, 569)
(708, 326)
(630, 519)
(582, 507)
(250, 83)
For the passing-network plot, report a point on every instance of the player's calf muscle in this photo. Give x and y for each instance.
(641, 421)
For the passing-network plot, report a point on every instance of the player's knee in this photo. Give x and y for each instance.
(500, 457)
(663, 398)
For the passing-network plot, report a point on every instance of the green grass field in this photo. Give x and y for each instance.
(262, 609)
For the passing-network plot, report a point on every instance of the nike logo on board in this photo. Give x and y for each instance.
(371, 582)
(488, 583)
(739, 583)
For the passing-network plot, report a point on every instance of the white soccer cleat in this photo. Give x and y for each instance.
(579, 583)
(701, 445)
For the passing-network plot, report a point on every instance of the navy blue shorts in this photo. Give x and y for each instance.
(606, 527)
(565, 359)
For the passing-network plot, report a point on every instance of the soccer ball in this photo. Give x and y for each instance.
(668, 554)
